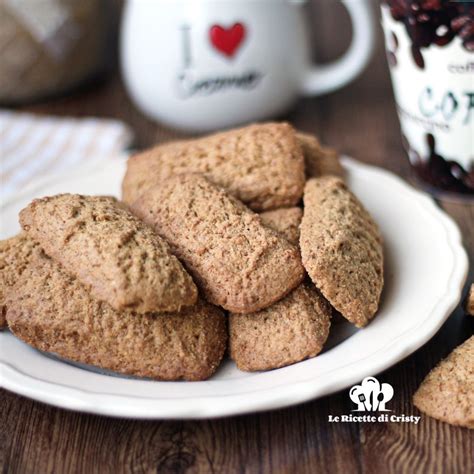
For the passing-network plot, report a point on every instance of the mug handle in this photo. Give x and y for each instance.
(322, 79)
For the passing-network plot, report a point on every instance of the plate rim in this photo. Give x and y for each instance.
(115, 405)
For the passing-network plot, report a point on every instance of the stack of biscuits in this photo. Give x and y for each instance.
(247, 239)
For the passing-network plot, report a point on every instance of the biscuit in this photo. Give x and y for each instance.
(111, 251)
(15, 254)
(235, 260)
(341, 248)
(261, 165)
(293, 329)
(447, 393)
(53, 312)
(469, 303)
(286, 221)
(318, 160)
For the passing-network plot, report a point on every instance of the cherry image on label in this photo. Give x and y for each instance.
(227, 40)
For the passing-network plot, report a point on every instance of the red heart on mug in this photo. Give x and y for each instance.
(227, 40)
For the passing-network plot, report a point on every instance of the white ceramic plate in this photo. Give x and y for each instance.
(425, 270)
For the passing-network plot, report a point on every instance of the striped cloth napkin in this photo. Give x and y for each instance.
(35, 145)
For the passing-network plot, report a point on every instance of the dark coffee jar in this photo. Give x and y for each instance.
(430, 52)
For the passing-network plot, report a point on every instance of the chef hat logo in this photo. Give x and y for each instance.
(371, 395)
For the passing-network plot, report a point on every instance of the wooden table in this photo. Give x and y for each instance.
(359, 120)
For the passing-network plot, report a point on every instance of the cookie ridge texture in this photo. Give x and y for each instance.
(235, 260)
(120, 259)
(15, 255)
(286, 221)
(447, 392)
(341, 248)
(291, 330)
(53, 312)
(261, 164)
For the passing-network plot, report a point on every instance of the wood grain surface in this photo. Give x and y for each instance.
(359, 120)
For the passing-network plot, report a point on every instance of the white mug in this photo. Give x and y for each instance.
(205, 64)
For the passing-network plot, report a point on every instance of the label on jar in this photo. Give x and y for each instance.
(434, 92)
